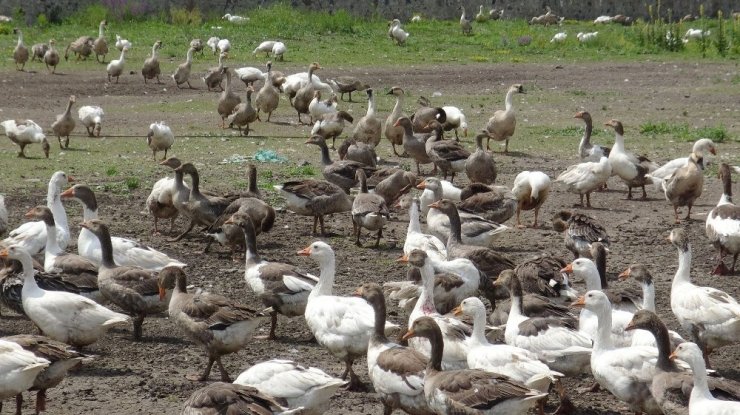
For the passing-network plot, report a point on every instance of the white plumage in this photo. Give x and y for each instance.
(92, 118)
(115, 66)
(18, 369)
(704, 146)
(122, 43)
(265, 46)
(449, 191)
(584, 178)
(530, 189)
(696, 34)
(415, 239)
(160, 138)
(31, 236)
(317, 108)
(25, 132)
(63, 316)
(587, 36)
(212, 42)
(223, 45)
(396, 33)
(300, 386)
(603, 19)
(701, 400)
(559, 37)
(278, 50)
(455, 120)
(235, 19)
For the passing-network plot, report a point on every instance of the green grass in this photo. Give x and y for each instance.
(683, 132)
(336, 39)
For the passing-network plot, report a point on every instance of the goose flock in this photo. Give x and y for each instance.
(484, 334)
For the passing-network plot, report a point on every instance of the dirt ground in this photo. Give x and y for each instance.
(149, 377)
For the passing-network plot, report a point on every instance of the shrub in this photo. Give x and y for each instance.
(721, 43)
(182, 16)
(41, 21)
(132, 183)
(89, 16)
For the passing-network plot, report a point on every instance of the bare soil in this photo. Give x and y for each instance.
(149, 377)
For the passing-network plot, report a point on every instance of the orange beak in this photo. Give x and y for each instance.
(67, 193)
(409, 334)
(568, 269)
(422, 185)
(309, 141)
(358, 292)
(580, 302)
(162, 293)
(625, 274)
(305, 251)
(630, 326)
(578, 115)
(403, 258)
(457, 311)
(673, 355)
(85, 225)
(4, 253)
(70, 179)
(29, 214)
(434, 205)
(397, 123)
(228, 221)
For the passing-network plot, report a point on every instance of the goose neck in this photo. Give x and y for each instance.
(189, 56)
(228, 81)
(648, 296)
(479, 325)
(603, 340)
(123, 54)
(253, 180)
(414, 225)
(510, 99)
(479, 143)
(327, 265)
(363, 183)
(592, 278)
(28, 278)
(618, 143)
(425, 303)
(586, 140)
(380, 316)
(52, 246)
(252, 256)
(54, 203)
(101, 30)
(179, 183)
(106, 248)
(455, 226)
(437, 345)
(727, 190)
(701, 386)
(408, 132)
(195, 178)
(325, 158)
(371, 106)
(20, 38)
(683, 273)
(154, 51)
(70, 102)
(663, 343)
(399, 106)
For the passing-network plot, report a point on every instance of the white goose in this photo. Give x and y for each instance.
(531, 189)
(396, 33)
(278, 50)
(159, 137)
(701, 400)
(122, 43)
(309, 388)
(92, 118)
(584, 178)
(317, 108)
(415, 239)
(62, 316)
(343, 325)
(25, 132)
(449, 191)
(18, 369)
(32, 235)
(232, 18)
(626, 372)
(560, 346)
(711, 315)
(723, 224)
(125, 251)
(265, 46)
(514, 362)
(454, 332)
(455, 120)
(630, 168)
(115, 66)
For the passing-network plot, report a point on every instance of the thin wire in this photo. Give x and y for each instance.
(192, 136)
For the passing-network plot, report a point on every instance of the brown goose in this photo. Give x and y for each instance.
(182, 73)
(228, 101)
(315, 198)
(422, 119)
(368, 128)
(261, 214)
(723, 224)
(392, 187)
(228, 398)
(151, 69)
(304, 95)
(488, 261)
(480, 166)
(82, 47)
(268, 96)
(244, 113)
(38, 50)
(65, 123)
(414, 144)
(394, 133)
(280, 286)
(495, 203)
(100, 44)
(133, 289)
(51, 57)
(369, 211)
(685, 186)
(201, 208)
(671, 385)
(586, 150)
(358, 151)
(214, 322)
(468, 390)
(397, 372)
(502, 124)
(61, 356)
(342, 172)
(580, 231)
(331, 126)
(215, 75)
(20, 53)
(449, 156)
(349, 84)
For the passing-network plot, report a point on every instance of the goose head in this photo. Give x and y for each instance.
(595, 301)
(705, 145)
(423, 327)
(81, 193)
(639, 272)
(16, 252)
(370, 292)
(690, 353)
(317, 140)
(96, 226)
(319, 251)
(403, 122)
(42, 213)
(187, 168)
(583, 268)
(583, 115)
(444, 205)
(169, 278)
(59, 180)
(645, 320)
(471, 307)
(679, 239)
(616, 125)
(396, 90)
(417, 258)
(517, 88)
(172, 162)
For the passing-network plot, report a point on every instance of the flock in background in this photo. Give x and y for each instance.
(448, 364)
